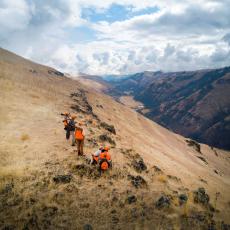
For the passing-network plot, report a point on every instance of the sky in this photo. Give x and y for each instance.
(103, 37)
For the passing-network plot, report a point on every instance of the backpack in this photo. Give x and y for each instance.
(104, 165)
(71, 125)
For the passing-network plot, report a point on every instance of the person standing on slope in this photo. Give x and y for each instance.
(65, 122)
(79, 137)
(71, 128)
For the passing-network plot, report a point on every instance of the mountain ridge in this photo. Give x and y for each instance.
(171, 97)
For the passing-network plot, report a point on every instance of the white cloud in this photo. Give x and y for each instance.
(13, 15)
(181, 35)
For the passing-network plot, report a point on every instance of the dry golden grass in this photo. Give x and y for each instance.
(162, 178)
(36, 101)
(25, 137)
(175, 201)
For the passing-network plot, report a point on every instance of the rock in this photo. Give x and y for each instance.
(55, 72)
(163, 202)
(200, 196)
(194, 144)
(87, 227)
(139, 165)
(183, 198)
(131, 199)
(62, 178)
(137, 181)
(108, 127)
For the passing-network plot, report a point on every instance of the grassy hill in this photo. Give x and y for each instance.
(158, 178)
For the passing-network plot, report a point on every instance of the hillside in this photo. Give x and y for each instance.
(158, 178)
(194, 104)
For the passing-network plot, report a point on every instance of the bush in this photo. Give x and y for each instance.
(137, 181)
(105, 137)
(139, 165)
(194, 144)
(108, 127)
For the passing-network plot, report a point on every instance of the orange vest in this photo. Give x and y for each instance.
(105, 155)
(96, 158)
(78, 134)
(65, 123)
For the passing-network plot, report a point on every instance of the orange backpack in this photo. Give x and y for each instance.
(104, 157)
(78, 134)
(104, 165)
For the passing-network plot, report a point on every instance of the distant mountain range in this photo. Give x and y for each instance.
(195, 104)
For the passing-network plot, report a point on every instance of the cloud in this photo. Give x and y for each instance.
(14, 16)
(179, 35)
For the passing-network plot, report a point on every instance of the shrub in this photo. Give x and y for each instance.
(105, 137)
(194, 144)
(108, 127)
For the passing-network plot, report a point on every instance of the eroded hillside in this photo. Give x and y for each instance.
(194, 104)
(158, 178)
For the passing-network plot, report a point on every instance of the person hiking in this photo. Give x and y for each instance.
(79, 138)
(104, 160)
(95, 156)
(65, 122)
(71, 128)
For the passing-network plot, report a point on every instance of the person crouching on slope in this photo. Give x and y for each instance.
(95, 156)
(79, 137)
(105, 161)
(71, 128)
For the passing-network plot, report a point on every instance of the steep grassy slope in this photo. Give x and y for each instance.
(44, 185)
(194, 104)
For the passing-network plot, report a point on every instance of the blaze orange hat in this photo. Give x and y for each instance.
(73, 116)
(106, 148)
